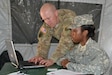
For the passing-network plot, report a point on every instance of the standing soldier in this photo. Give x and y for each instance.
(55, 25)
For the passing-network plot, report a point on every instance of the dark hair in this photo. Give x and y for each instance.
(90, 28)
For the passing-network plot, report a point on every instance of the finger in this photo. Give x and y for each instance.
(40, 58)
(42, 62)
(31, 60)
(46, 63)
(35, 61)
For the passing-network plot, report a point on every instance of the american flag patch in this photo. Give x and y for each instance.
(43, 30)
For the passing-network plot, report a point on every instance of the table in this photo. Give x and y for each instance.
(9, 68)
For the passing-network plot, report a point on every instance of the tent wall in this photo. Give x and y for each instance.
(28, 51)
(5, 23)
(105, 40)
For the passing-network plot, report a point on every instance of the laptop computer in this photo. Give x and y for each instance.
(14, 60)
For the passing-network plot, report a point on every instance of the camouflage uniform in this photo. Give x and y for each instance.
(89, 58)
(60, 32)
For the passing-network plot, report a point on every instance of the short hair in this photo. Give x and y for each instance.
(90, 28)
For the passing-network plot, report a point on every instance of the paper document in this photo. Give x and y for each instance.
(17, 73)
(64, 72)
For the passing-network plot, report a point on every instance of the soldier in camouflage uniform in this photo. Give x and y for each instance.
(55, 24)
(86, 57)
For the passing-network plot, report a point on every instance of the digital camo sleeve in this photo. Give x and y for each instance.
(95, 67)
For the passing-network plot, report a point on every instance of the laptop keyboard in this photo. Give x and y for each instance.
(26, 63)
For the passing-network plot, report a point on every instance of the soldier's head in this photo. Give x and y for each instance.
(82, 28)
(49, 14)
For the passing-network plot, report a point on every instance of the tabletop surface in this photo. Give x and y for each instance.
(9, 68)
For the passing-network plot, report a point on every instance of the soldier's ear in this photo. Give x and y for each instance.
(56, 12)
(85, 32)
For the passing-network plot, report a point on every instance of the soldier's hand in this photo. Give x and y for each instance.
(36, 59)
(64, 62)
(47, 62)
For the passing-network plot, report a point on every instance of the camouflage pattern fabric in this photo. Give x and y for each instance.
(86, 19)
(89, 59)
(60, 32)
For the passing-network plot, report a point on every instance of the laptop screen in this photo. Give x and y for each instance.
(11, 52)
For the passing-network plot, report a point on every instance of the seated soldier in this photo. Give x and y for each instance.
(86, 57)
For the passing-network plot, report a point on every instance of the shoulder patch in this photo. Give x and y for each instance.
(43, 30)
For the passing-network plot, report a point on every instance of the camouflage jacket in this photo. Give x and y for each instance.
(87, 59)
(60, 32)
